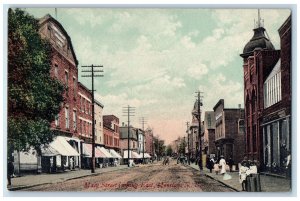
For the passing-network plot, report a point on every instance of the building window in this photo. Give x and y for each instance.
(56, 70)
(241, 126)
(80, 126)
(57, 120)
(272, 90)
(74, 121)
(81, 104)
(74, 86)
(208, 120)
(67, 118)
(67, 79)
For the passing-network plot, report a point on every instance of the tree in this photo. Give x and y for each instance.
(169, 150)
(34, 97)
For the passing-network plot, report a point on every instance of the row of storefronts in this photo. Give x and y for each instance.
(65, 154)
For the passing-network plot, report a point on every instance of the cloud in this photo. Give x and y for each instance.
(153, 59)
(197, 71)
(221, 87)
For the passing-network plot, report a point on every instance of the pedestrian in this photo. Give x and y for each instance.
(71, 163)
(207, 162)
(10, 171)
(288, 164)
(222, 163)
(211, 164)
(230, 163)
(243, 172)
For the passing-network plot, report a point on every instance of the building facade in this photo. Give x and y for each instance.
(209, 133)
(133, 138)
(84, 106)
(276, 120)
(141, 141)
(111, 132)
(229, 132)
(149, 142)
(267, 95)
(99, 137)
(64, 68)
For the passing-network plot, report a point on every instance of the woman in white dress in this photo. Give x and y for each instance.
(222, 163)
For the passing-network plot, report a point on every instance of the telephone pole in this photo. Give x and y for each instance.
(188, 138)
(92, 75)
(129, 112)
(143, 121)
(199, 127)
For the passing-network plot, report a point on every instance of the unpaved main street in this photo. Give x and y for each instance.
(145, 178)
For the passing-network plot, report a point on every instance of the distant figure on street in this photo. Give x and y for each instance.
(222, 163)
(10, 172)
(211, 164)
(207, 162)
(166, 161)
(243, 172)
(288, 164)
(230, 163)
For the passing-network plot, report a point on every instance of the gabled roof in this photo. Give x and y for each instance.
(47, 18)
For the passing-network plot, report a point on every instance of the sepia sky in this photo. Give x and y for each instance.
(156, 59)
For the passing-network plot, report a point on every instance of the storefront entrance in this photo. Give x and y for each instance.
(276, 146)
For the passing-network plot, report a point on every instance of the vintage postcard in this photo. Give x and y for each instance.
(149, 99)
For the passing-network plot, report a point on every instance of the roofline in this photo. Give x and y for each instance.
(48, 17)
(98, 103)
(83, 86)
(285, 23)
(219, 103)
(111, 115)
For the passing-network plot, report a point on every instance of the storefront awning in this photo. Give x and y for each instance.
(87, 151)
(132, 154)
(146, 155)
(47, 150)
(114, 153)
(107, 154)
(63, 147)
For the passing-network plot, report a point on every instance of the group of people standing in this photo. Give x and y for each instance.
(220, 165)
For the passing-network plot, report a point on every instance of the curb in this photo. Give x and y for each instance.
(229, 186)
(59, 181)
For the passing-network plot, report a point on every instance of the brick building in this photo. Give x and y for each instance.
(133, 138)
(84, 106)
(149, 141)
(229, 132)
(64, 68)
(267, 103)
(209, 133)
(111, 132)
(276, 118)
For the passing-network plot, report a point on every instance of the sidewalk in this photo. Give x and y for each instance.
(268, 183)
(27, 181)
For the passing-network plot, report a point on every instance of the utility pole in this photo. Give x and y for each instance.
(92, 75)
(143, 121)
(129, 112)
(188, 138)
(199, 127)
